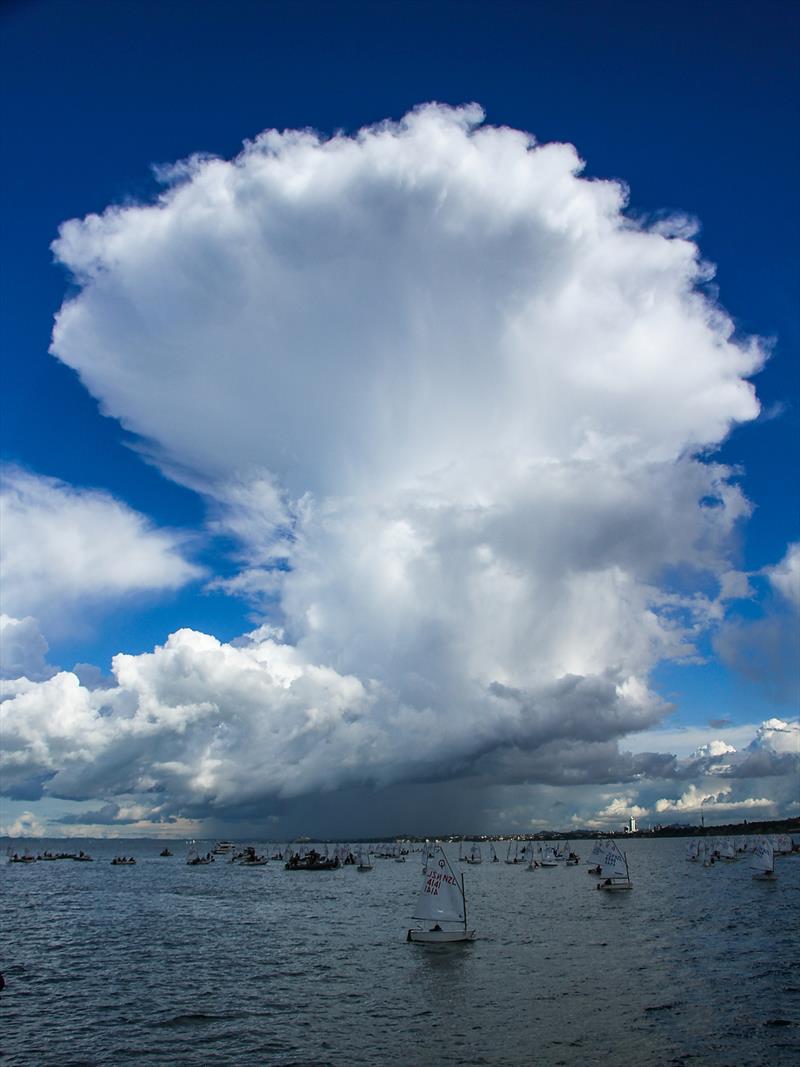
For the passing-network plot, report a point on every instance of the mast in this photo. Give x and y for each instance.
(464, 899)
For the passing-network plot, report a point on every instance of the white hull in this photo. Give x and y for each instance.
(613, 886)
(439, 937)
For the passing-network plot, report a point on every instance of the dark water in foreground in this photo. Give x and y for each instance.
(167, 964)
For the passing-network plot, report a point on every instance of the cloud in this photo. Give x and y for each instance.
(452, 408)
(695, 800)
(785, 577)
(713, 748)
(622, 808)
(23, 649)
(764, 650)
(215, 725)
(25, 825)
(777, 736)
(64, 547)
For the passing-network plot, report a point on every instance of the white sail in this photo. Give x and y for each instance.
(613, 863)
(598, 851)
(475, 854)
(761, 856)
(440, 899)
(783, 843)
(494, 853)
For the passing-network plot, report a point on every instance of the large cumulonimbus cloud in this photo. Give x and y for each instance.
(451, 402)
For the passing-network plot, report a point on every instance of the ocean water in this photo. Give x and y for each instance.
(167, 964)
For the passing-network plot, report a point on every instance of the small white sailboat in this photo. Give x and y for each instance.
(494, 854)
(614, 869)
(533, 862)
(364, 860)
(474, 855)
(782, 844)
(596, 857)
(442, 902)
(762, 861)
(548, 858)
(726, 851)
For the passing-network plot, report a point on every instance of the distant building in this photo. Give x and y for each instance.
(630, 828)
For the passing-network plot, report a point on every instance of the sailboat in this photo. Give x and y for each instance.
(533, 863)
(441, 902)
(364, 863)
(727, 852)
(614, 869)
(597, 853)
(475, 855)
(548, 858)
(762, 861)
(509, 857)
(494, 854)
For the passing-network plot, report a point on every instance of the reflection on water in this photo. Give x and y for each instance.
(161, 962)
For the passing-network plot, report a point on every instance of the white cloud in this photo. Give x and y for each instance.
(713, 748)
(25, 825)
(210, 724)
(696, 800)
(785, 577)
(23, 649)
(63, 547)
(778, 736)
(622, 808)
(449, 401)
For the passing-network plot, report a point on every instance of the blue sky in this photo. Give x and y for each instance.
(692, 107)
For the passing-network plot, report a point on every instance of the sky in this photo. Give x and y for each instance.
(400, 417)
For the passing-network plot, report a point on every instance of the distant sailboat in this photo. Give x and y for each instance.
(441, 902)
(597, 853)
(762, 861)
(727, 851)
(549, 858)
(475, 855)
(494, 854)
(614, 869)
(364, 863)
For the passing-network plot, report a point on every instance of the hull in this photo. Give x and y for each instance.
(326, 865)
(766, 876)
(614, 886)
(439, 937)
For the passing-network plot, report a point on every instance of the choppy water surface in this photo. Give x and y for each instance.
(163, 963)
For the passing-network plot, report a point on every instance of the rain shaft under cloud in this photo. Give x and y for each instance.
(455, 409)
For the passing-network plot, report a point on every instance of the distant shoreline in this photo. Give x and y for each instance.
(760, 826)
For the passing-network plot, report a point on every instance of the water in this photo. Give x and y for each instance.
(163, 963)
